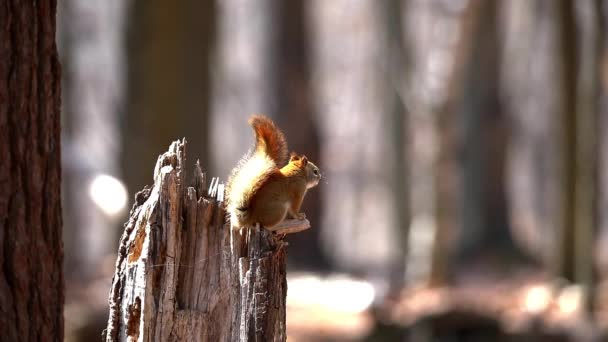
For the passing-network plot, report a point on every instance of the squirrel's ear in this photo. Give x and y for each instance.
(294, 157)
(304, 160)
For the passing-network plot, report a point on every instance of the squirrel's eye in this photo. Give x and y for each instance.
(315, 172)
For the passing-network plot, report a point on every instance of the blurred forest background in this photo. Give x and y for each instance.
(461, 143)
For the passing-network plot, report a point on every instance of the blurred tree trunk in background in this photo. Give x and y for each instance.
(91, 45)
(447, 210)
(297, 116)
(589, 88)
(243, 77)
(445, 194)
(436, 36)
(396, 71)
(169, 49)
(485, 220)
(31, 251)
(350, 83)
(529, 65)
(566, 33)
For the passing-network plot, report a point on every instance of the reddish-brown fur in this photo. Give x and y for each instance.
(282, 193)
(258, 190)
(269, 139)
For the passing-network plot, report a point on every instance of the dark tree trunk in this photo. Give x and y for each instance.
(485, 220)
(397, 62)
(445, 167)
(587, 114)
(446, 173)
(31, 252)
(168, 82)
(566, 31)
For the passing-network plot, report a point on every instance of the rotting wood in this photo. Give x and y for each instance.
(183, 274)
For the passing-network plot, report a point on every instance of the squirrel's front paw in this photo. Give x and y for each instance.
(300, 216)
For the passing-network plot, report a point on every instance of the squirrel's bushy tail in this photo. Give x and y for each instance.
(268, 155)
(269, 140)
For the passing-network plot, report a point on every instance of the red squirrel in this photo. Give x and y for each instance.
(261, 188)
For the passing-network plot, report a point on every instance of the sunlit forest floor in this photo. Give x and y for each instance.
(526, 305)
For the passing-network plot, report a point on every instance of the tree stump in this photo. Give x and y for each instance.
(183, 274)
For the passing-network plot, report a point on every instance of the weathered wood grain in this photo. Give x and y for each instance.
(183, 275)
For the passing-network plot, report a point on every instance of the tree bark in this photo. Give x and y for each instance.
(183, 274)
(31, 251)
